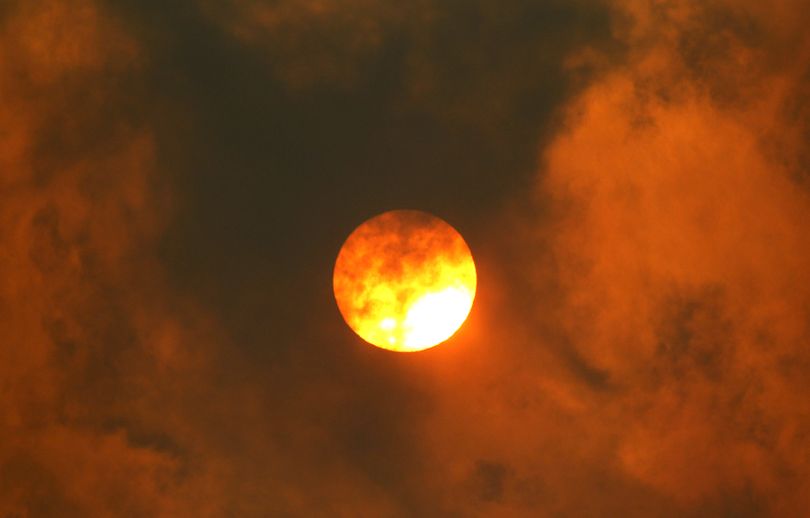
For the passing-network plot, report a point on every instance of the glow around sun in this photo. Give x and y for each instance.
(405, 281)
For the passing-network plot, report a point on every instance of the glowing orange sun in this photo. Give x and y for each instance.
(405, 280)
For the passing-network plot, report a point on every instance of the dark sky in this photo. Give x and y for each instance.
(177, 178)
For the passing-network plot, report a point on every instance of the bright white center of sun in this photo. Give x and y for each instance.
(434, 317)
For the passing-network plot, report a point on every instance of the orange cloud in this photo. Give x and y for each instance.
(681, 242)
(638, 346)
(79, 215)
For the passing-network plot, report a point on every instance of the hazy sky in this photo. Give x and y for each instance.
(177, 178)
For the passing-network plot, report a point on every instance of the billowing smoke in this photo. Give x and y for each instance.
(680, 211)
(631, 176)
(91, 345)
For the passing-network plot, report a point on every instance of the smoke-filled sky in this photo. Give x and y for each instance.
(177, 178)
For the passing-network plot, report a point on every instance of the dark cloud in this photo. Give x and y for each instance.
(177, 181)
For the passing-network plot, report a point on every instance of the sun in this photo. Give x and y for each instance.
(405, 280)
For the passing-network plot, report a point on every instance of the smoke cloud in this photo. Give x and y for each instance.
(176, 182)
